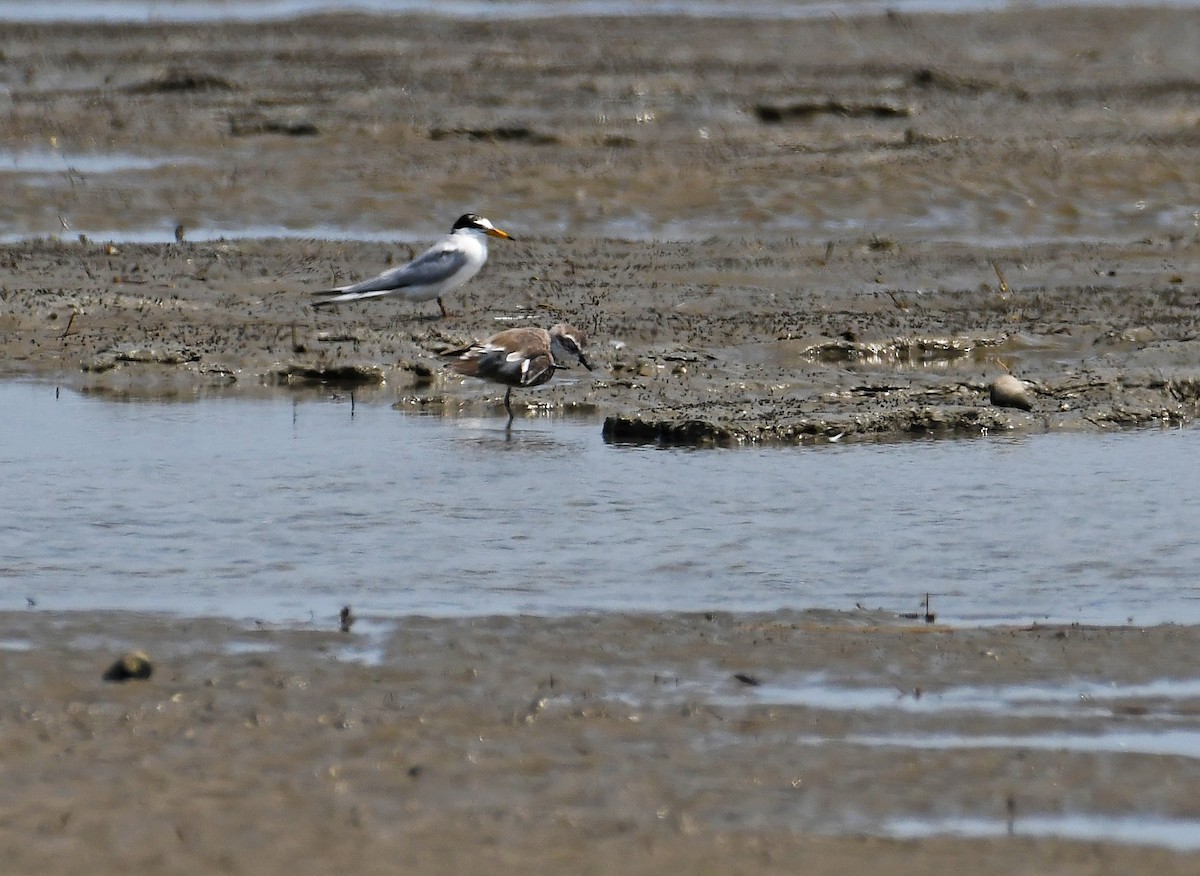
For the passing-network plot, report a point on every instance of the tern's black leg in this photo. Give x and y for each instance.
(508, 407)
(443, 307)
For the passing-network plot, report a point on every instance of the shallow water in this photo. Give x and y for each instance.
(282, 508)
(1105, 201)
(1172, 743)
(50, 162)
(1181, 835)
(1071, 699)
(269, 10)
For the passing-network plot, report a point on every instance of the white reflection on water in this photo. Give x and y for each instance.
(1178, 834)
(267, 10)
(968, 222)
(36, 161)
(278, 508)
(1177, 743)
(1070, 699)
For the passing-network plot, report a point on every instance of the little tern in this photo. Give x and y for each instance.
(442, 268)
(521, 357)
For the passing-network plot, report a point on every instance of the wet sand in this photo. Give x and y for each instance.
(617, 743)
(681, 356)
(746, 141)
(591, 744)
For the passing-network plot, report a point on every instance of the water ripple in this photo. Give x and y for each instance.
(258, 508)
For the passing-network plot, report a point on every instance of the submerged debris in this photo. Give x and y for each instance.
(633, 429)
(175, 79)
(501, 133)
(807, 109)
(250, 125)
(334, 375)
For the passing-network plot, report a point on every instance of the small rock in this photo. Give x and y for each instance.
(135, 664)
(1009, 392)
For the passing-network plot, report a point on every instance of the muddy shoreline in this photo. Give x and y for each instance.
(178, 321)
(1070, 257)
(775, 231)
(629, 743)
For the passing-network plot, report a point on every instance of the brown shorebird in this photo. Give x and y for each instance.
(521, 357)
(442, 268)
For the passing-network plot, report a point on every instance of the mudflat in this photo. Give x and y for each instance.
(600, 743)
(869, 219)
(772, 231)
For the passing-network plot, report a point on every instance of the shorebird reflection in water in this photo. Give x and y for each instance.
(521, 357)
(442, 268)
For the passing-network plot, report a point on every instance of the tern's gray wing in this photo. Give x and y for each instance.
(432, 266)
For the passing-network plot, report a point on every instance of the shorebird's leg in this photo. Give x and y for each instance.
(443, 307)
(508, 407)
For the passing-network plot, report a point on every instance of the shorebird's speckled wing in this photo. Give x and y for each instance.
(517, 357)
